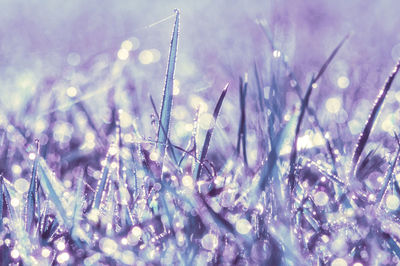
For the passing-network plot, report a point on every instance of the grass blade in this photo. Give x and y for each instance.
(304, 105)
(1, 201)
(388, 175)
(33, 190)
(363, 138)
(242, 123)
(207, 139)
(102, 182)
(166, 105)
(51, 189)
(293, 153)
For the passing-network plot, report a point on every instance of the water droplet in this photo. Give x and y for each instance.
(339, 262)
(108, 246)
(21, 185)
(14, 254)
(333, 105)
(321, 198)
(343, 82)
(63, 257)
(209, 241)
(243, 226)
(392, 202)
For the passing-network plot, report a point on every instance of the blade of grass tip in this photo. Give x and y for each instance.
(364, 135)
(207, 139)
(293, 153)
(32, 192)
(47, 186)
(166, 105)
(330, 58)
(388, 175)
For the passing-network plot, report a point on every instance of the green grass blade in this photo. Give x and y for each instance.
(207, 139)
(166, 105)
(363, 138)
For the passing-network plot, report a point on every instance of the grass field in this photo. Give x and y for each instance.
(263, 133)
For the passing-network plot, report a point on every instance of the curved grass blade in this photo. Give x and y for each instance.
(207, 139)
(363, 138)
(32, 192)
(166, 105)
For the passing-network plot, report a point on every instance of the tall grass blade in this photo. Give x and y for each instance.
(363, 138)
(207, 139)
(242, 123)
(32, 192)
(166, 105)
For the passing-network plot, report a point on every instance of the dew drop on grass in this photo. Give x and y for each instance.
(123, 54)
(321, 198)
(72, 92)
(63, 257)
(333, 105)
(392, 202)
(187, 181)
(45, 252)
(16, 169)
(343, 82)
(128, 257)
(339, 262)
(15, 254)
(14, 202)
(146, 57)
(127, 45)
(243, 226)
(108, 246)
(209, 241)
(21, 185)
(61, 246)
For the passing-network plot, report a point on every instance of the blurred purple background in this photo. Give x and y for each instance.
(57, 43)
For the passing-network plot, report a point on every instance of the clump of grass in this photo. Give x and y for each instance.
(116, 197)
